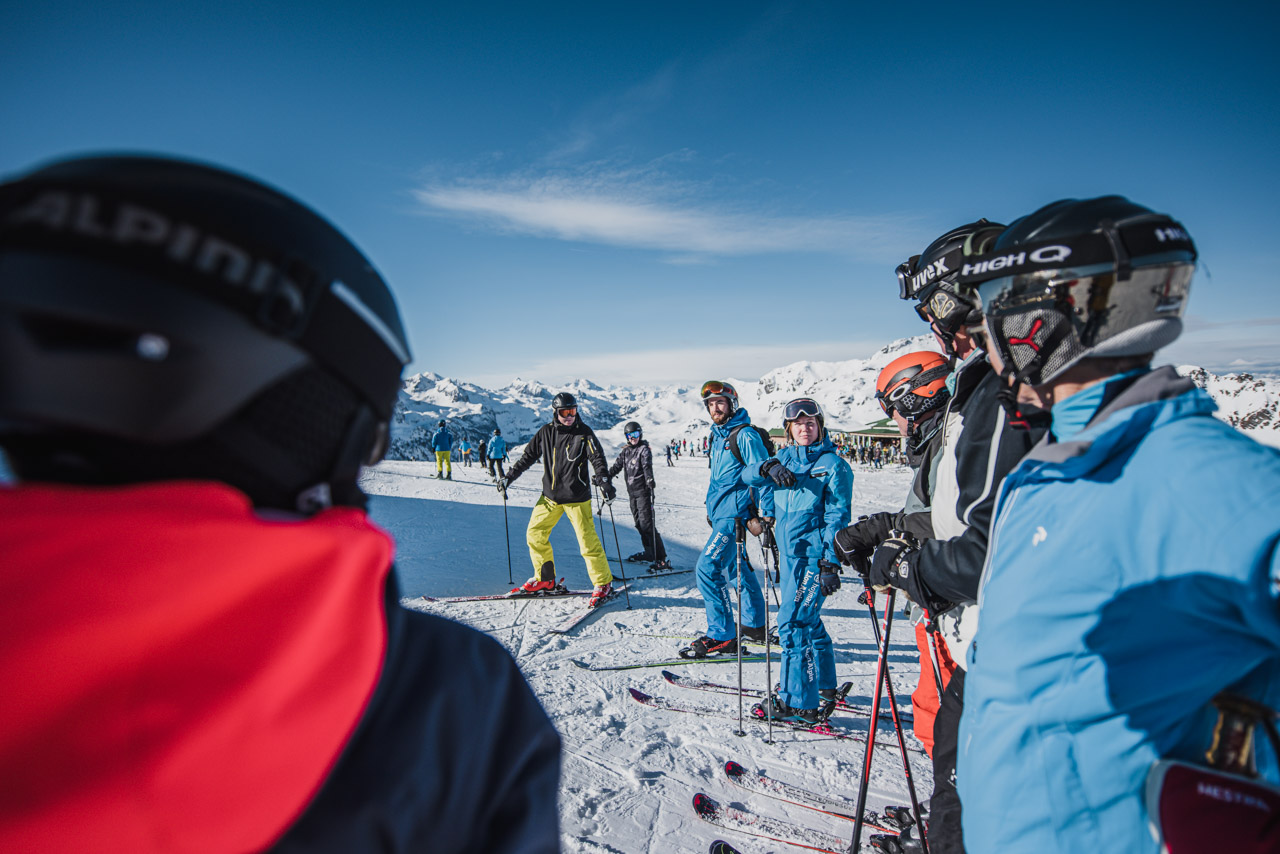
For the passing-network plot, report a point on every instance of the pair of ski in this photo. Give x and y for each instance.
(890, 822)
(559, 592)
(842, 706)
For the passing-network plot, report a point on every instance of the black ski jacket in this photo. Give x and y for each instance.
(978, 448)
(565, 452)
(636, 461)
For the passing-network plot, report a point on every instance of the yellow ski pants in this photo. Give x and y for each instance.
(546, 513)
(444, 461)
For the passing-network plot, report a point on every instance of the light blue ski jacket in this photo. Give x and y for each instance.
(442, 440)
(1132, 576)
(728, 496)
(810, 513)
(497, 448)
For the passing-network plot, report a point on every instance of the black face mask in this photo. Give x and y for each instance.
(1023, 416)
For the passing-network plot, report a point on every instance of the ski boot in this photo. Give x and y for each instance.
(640, 557)
(439, 476)
(831, 698)
(535, 587)
(906, 843)
(705, 647)
(600, 594)
(774, 707)
(449, 476)
(663, 565)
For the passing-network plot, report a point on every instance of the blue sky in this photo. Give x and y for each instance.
(668, 191)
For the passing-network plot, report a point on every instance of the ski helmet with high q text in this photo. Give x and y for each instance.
(914, 384)
(715, 388)
(1083, 278)
(165, 319)
(930, 278)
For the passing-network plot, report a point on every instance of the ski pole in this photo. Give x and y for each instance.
(617, 550)
(768, 653)
(653, 525)
(868, 595)
(740, 542)
(506, 527)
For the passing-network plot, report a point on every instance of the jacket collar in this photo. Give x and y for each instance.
(1153, 399)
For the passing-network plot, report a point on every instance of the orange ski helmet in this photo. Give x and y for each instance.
(914, 384)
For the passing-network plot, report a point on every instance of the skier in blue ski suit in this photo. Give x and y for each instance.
(497, 452)
(809, 515)
(1133, 563)
(729, 501)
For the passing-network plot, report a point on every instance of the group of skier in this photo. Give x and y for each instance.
(197, 368)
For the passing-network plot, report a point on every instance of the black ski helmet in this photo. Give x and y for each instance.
(632, 427)
(930, 278)
(497, 432)
(563, 400)
(165, 319)
(1083, 278)
(441, 423)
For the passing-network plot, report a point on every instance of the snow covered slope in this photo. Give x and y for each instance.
(845, 389)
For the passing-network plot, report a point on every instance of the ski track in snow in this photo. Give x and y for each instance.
(630, 772)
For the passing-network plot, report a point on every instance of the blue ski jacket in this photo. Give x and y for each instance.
(497, 448)
(728, 496)
(442, 440)
(810, 513)
(1132, 576)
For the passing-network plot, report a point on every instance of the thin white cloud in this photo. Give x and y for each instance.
(635, 209)
(1227, 346)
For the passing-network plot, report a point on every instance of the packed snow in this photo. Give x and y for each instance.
(630, 772)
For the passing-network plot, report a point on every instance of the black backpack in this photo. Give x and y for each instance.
(769, 448)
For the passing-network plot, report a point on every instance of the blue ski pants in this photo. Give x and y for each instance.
(808, 660)
(717, 566)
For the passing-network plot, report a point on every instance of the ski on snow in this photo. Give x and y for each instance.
(578, 616)
(719, 712)
(722, 847)
(671, 662)
(681, 681)
(766, 827)
(892, 821)
(559, 592)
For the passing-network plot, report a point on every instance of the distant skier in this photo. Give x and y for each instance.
(668, 450)
(812, 491)
(567, 447)
(482, 454)
(636, 460)
(497, 454)
(442, 444)
(729, 502)
(465, 447)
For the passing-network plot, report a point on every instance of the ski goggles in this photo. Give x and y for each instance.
(567, 413)
(715, 388)
(801, 406)
(906, 382)
(634, 434)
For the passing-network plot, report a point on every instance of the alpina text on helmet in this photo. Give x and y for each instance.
(127, 224)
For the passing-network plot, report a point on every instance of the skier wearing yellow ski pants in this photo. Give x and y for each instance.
(568, 450)
(546, 513)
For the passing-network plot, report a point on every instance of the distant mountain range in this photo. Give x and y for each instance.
(845, 389)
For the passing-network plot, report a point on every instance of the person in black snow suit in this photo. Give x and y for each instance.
(186, 452)
(566, 447)
(668, 450)
(979, 446)
(482, 454)
(636, 460)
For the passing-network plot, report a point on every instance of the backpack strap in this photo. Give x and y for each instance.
(733, 444)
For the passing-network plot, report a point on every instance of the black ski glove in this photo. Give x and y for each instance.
(608, 491)
(599, 479)
(829, 578)
(864, 535)
(892, 565)
(777, 472)
(502, 486)
(652, 486)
